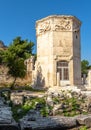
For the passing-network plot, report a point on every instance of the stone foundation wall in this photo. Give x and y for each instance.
(6, 80)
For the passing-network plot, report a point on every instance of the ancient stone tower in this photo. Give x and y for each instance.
(58, 51)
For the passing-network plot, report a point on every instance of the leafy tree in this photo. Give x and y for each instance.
(84, 67)
(1, 57)
(14, 57)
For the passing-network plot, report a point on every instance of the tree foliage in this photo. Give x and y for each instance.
(84, 67)
(1, 57)
(14, 56)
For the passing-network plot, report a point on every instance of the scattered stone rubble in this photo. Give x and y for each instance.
(6, 120)
(35, 121)
(17, 97)
(83, 100)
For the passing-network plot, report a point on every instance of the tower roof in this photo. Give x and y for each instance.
(59, 16)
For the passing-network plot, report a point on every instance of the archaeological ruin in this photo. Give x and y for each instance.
(58, 52)
(64, 105)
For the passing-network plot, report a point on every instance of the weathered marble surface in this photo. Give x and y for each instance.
(34, 121)
(6, 120)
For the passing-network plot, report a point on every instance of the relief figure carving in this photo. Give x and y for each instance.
(44, 27)
(65, 49)
(62, 25)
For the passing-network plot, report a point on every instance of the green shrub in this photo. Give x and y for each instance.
(83, 128)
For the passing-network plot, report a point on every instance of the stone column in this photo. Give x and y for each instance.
(58, 79)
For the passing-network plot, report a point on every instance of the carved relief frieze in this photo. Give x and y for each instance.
(45, 26)
(59, 25)
(63, 25)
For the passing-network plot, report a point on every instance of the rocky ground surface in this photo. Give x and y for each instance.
(35, 121)
(6, 120)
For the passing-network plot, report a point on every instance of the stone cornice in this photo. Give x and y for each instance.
(57, 23)
(59, 16)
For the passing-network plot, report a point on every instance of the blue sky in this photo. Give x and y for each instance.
(18, 17)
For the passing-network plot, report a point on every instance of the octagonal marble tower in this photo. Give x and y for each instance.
(58, 51)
